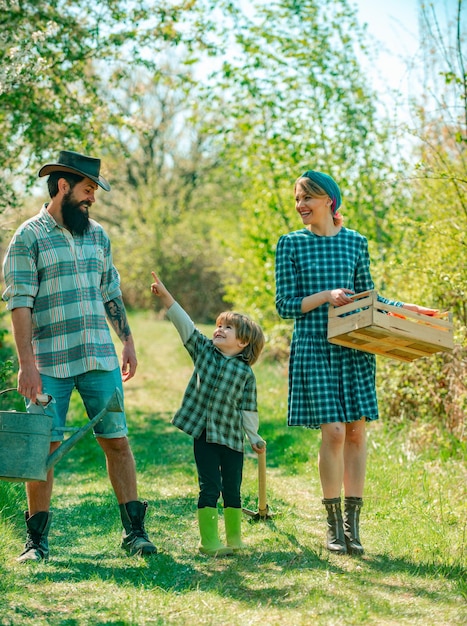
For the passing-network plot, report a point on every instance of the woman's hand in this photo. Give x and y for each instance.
(335, 297)
(423, 310)
(339, 297)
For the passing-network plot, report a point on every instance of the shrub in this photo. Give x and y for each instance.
(430, 392)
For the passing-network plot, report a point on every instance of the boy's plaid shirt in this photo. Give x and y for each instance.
(219, 390)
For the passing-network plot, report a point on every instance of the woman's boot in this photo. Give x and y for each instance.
(352, 508)
(335, 535)
(36, 547)
(210, 544)
(233, 528)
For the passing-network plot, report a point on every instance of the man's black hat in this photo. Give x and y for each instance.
(76, 163)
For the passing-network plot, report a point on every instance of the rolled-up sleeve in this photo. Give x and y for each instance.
(288, 304)
(110, 285)
(20, 274)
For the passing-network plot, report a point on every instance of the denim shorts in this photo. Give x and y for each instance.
(95, 388)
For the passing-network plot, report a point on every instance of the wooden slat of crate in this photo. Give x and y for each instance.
(369, 329)
(405, 350)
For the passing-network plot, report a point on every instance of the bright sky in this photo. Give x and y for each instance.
(394, 24)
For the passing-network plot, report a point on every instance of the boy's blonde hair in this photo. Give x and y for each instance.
(247, 331)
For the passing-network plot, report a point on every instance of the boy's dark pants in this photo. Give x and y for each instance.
(219, 471)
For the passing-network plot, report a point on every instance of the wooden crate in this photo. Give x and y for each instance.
(372, 326)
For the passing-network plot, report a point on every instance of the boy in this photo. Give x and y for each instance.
(218, 404)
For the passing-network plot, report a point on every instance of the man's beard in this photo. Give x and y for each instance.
(75, 214)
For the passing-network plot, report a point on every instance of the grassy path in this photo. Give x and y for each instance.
(414, 529)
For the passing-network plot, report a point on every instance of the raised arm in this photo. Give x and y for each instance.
(179, 318)
(160, 290)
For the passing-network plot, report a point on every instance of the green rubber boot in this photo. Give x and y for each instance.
(233, 528)
(210, 544)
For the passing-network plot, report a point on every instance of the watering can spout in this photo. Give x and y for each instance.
(114, 405)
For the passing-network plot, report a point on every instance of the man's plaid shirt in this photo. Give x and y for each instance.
(65, 280)
(220, 388)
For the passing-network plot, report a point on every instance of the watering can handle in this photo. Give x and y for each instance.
(9, 389)
(42, 399)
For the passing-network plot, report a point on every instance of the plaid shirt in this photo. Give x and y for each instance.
(65, 280)
(219, 390)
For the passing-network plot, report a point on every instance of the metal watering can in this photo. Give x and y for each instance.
(25, 441)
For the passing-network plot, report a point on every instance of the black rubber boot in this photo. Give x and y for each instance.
(36, 547)
(135, 539)
(335, 535)
(352, 508)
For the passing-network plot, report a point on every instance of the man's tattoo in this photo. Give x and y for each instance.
(117, 315)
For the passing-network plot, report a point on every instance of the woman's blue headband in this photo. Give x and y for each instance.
(328, 185)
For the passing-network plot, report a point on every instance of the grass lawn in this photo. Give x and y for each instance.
(413, 526)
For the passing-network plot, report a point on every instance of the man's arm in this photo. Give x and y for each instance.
(116, 315)
(29, 380)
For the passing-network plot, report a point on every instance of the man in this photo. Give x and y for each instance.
(61, 285)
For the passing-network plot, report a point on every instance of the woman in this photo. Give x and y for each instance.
(331, 387)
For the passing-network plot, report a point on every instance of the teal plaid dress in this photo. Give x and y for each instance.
(327, 383)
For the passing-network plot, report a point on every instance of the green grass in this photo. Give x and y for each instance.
(413, 526)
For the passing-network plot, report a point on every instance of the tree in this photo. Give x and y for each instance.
(56, 58)
(293, 97)
(161, 210)
(437, 221)
(432, 250)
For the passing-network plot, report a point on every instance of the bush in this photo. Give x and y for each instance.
(8, 367)
(430, 393)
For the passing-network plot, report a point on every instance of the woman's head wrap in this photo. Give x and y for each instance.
(327, 184)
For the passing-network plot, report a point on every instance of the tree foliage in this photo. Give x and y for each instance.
(161, 210)
(293, 97)
(205, 112)
(436, 219)
(430, 262)
(56, 57)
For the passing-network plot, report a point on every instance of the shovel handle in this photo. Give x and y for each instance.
(262, 503)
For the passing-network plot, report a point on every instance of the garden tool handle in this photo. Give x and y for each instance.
(42, 399)
(9, 389)
(262, 503)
